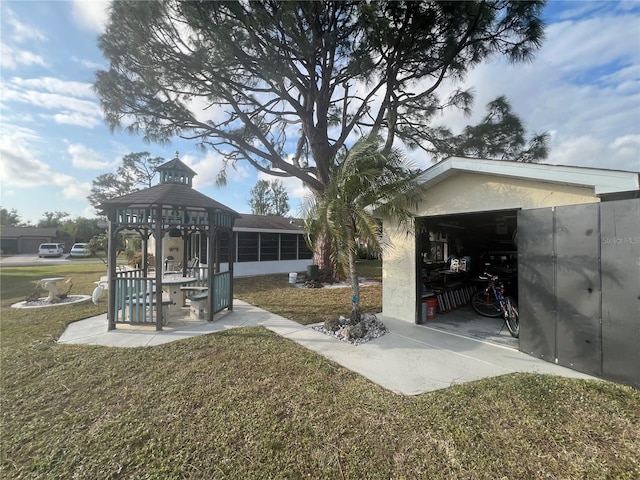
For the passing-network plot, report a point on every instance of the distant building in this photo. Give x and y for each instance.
(263, 244)
(14, 240)
(269, 244)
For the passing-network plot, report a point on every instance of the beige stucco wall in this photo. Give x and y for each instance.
(461, 193)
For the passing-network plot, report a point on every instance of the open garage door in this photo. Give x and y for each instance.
(473, 242)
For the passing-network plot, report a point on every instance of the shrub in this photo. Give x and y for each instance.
(136, 260)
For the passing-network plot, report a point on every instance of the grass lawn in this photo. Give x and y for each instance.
(247, 404)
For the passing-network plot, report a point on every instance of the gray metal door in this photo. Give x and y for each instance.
(620, 240)
(578, 287)
(536, 283)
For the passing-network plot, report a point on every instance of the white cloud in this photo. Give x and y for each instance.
(623, 153)
(16, 32)
(572, 46)
(578, 9)
(77, 191)
(209, 167)
(72, 100)
(204, 112)
(55, 85)
(91, 14)
(13, 57)
(77, 119)
(20, 168)
(89, 212)
(21, 32)
(90, 64)
(86, 158)
(581, 86)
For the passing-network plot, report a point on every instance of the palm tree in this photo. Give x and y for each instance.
(367, 184)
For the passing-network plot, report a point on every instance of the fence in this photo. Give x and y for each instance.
(135, 298)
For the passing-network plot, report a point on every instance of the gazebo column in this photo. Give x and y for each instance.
(111, 273)
(145, 256)
(158, 234)
(232, 255)
(184, 234)
(211, 247)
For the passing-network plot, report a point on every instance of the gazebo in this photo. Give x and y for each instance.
(170, 208)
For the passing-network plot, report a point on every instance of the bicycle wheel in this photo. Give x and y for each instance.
(485, 304)
(512, 317)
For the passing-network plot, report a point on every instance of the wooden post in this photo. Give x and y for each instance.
(158, 234)
(232, 255)
(212, 235)
(111, 271)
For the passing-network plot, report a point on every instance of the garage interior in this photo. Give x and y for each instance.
(453, 251)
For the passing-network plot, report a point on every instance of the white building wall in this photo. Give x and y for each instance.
(249, 269)
(472, 192)
(399, 274)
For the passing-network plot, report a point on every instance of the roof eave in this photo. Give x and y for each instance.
(603, 181)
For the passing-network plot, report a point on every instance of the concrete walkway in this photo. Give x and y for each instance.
(410, 359)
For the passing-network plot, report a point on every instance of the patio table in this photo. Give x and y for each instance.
(173, 284)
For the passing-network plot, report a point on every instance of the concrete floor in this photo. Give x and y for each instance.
(466, 322)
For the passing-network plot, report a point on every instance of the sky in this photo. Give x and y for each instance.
(583, 87)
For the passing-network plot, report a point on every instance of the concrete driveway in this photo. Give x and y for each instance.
(26, 259)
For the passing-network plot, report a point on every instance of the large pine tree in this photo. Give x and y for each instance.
(285, 85)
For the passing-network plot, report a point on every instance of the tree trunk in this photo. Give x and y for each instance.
(322, 258)
(355, 286)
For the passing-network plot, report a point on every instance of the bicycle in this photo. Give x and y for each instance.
(491, 302)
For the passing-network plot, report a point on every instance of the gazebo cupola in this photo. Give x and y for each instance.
(175, 171)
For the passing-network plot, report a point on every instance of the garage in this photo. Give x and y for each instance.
(25, 239)
(549, 232)
(454, 252)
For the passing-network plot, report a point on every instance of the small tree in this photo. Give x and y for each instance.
(137, 171)
(101, 242)
(367, 178)
(10, 218)
(53, 219)
(269, 198)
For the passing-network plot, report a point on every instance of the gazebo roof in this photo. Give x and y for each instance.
(173, 194)
(176, 164)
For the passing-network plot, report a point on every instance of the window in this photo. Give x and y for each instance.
(288, 246)
(269, 247)
(224, 247)
(247, 247)
(303, 250)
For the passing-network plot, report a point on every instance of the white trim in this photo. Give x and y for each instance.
(602, 181)
(267, 230)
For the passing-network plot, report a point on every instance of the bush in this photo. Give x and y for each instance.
(136, 260)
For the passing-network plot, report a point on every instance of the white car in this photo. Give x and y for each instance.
(80, 250)
(50, 250)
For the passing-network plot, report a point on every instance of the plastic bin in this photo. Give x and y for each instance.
(432, 305)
